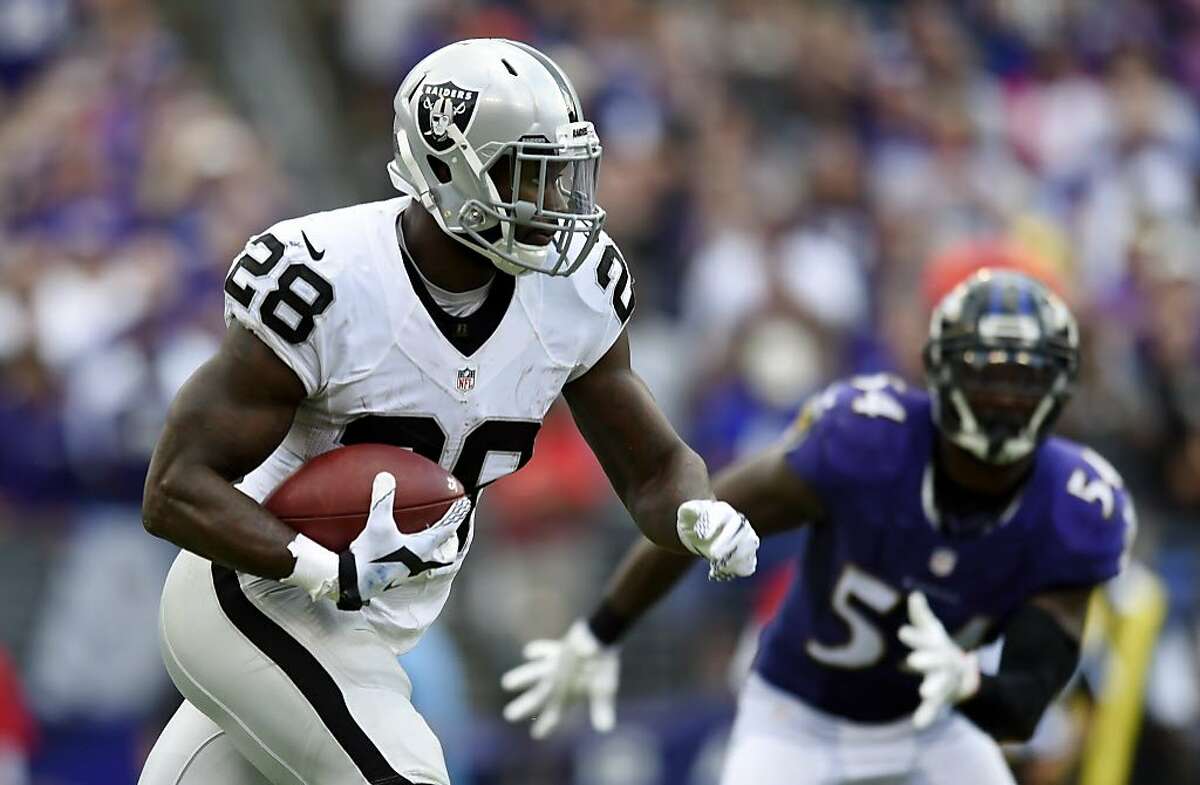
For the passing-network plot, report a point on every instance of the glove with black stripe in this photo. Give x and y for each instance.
(381, 557)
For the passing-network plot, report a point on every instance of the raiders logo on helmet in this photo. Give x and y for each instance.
(439, 105)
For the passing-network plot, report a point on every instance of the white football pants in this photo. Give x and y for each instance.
(779, 740)
(281, 691)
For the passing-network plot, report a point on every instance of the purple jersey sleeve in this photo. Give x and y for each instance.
(1093, 519)
(854, 433)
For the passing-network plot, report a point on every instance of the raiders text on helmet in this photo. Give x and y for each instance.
(1004, 337)
(471, 105)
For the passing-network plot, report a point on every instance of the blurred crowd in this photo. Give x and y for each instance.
(794, 184)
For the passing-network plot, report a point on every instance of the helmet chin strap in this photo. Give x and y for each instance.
(424, 194)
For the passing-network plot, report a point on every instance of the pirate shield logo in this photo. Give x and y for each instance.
(439, 105)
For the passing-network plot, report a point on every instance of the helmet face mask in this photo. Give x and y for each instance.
(489, 134)
(1000, 362)
(545, 189)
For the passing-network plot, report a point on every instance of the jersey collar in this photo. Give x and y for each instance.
(934, 517)
(471, 332)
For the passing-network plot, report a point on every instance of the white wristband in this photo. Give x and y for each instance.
(316, 568)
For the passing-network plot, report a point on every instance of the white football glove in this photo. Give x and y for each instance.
(559, 673)
(720, 534)
(382, 557)
(950, 675)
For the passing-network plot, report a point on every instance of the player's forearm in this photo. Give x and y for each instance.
(654, 502)
(1038, 660)
(200, 511)
(650, 569)
(649, 466)
(645, 575)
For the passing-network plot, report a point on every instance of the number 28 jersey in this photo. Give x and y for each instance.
(341, 304)
(865, 448)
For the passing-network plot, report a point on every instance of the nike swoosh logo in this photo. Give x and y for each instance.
(415, 564)
(312, 251)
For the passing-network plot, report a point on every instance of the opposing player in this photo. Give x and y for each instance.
(941, 520)
(446, 322)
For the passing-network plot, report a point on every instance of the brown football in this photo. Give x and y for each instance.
(328, 498)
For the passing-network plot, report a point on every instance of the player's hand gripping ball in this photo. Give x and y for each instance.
(388, 514)
(328, 498)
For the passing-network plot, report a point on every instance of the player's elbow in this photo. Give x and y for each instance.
(162, 504)
(653, 498)
(156, 506)
(1008, 717)
(1019, 729)
(1024, 732)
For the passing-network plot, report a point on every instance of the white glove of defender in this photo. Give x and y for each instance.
(384, 556)
(559, 673)
(950, 675)
(720, 534)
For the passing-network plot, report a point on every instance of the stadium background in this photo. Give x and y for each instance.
(792, 182)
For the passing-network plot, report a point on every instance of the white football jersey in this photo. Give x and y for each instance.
(340, 303)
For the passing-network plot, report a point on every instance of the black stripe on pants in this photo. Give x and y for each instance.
(313, 681)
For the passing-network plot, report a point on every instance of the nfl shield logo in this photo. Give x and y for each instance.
(466, 380)
(942, 562)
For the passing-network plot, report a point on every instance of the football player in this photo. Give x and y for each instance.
(446, 322)
(941, 521)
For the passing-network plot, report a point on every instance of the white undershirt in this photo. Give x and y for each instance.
(460, 305)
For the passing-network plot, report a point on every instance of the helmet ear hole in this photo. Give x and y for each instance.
(439, 168)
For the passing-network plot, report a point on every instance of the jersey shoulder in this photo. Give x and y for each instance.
(863, 430)
(580, 316)
(604, 282)
(1091, 515)
(300, 284)
(345, 243)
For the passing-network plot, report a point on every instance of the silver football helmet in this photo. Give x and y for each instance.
(485, 106)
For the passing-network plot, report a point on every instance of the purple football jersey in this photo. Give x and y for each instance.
(865, 448)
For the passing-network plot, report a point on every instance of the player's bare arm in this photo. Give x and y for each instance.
(763, 487)
(769, 491)
(649, 466)
(231, 415)
(654, 473)
(584, 662)
(666, 489)
(228, 417)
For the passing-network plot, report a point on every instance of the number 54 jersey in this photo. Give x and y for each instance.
(341, 304)
(865, 448)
